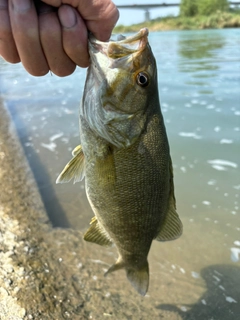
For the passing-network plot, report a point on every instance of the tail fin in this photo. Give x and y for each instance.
(139, 278)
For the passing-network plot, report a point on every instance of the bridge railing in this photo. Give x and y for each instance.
(148, 6)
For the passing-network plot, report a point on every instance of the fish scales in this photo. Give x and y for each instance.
(123, 206)
(124, 155)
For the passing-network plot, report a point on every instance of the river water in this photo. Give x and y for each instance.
(198, 275)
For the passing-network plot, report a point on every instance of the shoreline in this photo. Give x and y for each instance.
(218, 20)
(28, 245)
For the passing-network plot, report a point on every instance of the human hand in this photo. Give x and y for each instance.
(52, 34)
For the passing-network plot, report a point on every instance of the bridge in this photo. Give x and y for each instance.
(147, 7)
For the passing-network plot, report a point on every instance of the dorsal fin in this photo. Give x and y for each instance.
(172, 226)
(74, 169)
(97, 234)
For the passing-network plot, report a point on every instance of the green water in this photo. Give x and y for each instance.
(197, 276)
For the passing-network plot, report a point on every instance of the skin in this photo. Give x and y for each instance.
(53, 36)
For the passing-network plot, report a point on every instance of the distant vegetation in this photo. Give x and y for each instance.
(194, 14)
(192, 8)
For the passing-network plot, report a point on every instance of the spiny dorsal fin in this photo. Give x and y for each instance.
(172, 226)
(74, 169)
(97, 234)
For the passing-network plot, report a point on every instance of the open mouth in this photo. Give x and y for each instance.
(122, 47)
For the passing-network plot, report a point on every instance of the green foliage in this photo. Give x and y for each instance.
(188, 8)
(207, 7)
(216, 20)
(191, 8)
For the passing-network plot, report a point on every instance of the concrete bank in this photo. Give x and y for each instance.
(48, 273)
(35, 282)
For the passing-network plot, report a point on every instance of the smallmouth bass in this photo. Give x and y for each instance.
(124, 155)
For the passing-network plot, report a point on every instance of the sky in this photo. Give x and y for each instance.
(131, 16)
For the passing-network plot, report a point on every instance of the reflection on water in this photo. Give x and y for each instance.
(200, 56)
(222, 284)
(200, 97)
(200, 45)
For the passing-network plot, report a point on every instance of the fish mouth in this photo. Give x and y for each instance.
(122, 47)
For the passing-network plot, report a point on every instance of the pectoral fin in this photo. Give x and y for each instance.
(107, 169)
(97, 234)
(172, 226)
(77, 150)
(74, 169)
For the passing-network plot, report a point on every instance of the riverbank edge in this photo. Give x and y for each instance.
(218, 20)
(32, 271)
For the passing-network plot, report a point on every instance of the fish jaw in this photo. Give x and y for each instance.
(120, 48)
(108, 57)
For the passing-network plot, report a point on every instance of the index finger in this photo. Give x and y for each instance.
(8, 48)
(24, 23)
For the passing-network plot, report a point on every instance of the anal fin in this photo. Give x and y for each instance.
(97, 234)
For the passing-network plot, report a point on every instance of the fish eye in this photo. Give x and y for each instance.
(142, 79)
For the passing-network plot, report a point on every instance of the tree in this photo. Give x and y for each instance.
(190, 8)
(207, 7)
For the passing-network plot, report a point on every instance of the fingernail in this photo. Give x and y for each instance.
(21, 5)
(67, 17)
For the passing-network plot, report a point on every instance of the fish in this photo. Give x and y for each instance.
(124, 155)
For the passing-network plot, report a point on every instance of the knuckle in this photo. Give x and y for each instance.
(8, 51)
(10, 58)
(84, 64)
(79, 57)
(64, 72)
(37, 73)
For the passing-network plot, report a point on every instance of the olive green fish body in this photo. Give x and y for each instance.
(129, 187)
(124, 155)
